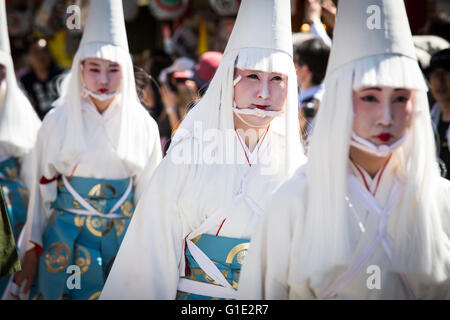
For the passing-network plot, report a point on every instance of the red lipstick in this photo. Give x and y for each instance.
(102, 90)
(260, 106)
(384, 137)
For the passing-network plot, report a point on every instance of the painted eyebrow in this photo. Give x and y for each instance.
(372, 88)
(379, 89)
(94, 64)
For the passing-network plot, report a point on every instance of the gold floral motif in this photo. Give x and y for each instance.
(96, 224)
(79, 221)
(119, 224)
(57, 257)
(101, 190)
(55, 214)
(12, 173)
(76, 204)
(95, 295)
(126, 208)
(82, 258)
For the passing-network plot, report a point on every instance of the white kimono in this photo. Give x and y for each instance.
(99, 161)
(182, 201)
(272, 264)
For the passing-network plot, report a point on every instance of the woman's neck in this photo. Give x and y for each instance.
(250, 135)
(101, 106)
(370, 163)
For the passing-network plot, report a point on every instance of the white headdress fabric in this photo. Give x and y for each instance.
(261, 40)
(104, 37)
(19, 122)
(417, 229)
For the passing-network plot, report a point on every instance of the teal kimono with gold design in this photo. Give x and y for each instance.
(79, 248)
(226, 253)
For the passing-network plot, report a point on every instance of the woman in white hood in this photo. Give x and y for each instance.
(87, 167)
(368, 216)
(192, 228)
(19, 125)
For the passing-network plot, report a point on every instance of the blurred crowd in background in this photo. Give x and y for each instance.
(177, 46)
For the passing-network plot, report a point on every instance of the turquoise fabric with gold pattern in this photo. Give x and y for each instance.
(226, 253)
(16, 200)
(90, 242)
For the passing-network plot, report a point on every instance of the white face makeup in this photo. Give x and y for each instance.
(382, 115)
(101, 78)
(259, 96)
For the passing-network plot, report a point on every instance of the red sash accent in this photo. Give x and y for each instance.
(44, 180)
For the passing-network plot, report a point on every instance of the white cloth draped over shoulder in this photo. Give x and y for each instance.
(99, 159)
(273, 258)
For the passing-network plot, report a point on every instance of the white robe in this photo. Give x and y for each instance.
(99, 161)
(179, 199)
(271, 267)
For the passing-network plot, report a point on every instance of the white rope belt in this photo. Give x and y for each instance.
(90, 210)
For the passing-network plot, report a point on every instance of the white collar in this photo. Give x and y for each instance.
(252, 155)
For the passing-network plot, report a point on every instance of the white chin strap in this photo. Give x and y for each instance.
(252, 112)
(98, 96)
(379, 151)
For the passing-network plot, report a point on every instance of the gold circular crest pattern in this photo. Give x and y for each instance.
(82, 258)
(102, 190)
(98, 226)
(57, 257)
(127, 209)
(240, 250)
(119, 224)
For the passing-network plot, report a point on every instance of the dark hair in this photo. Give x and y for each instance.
(314, 53)
(440, 25)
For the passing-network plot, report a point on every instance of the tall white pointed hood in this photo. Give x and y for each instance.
(104, 37)
(262, 24)
(261, 40)
(4, 40)
(381, 26)
(366, 56)
(18, 120)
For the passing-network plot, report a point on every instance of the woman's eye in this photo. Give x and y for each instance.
(253, 76)
(114, 70)
(401, 99)
(94, 70)
(369, 98)
(277, 78)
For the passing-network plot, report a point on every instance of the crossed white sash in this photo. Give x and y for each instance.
(369, 201)
(90, 210)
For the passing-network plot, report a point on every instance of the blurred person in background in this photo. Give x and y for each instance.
(41, 81)
(311, 59)
(438, 74)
